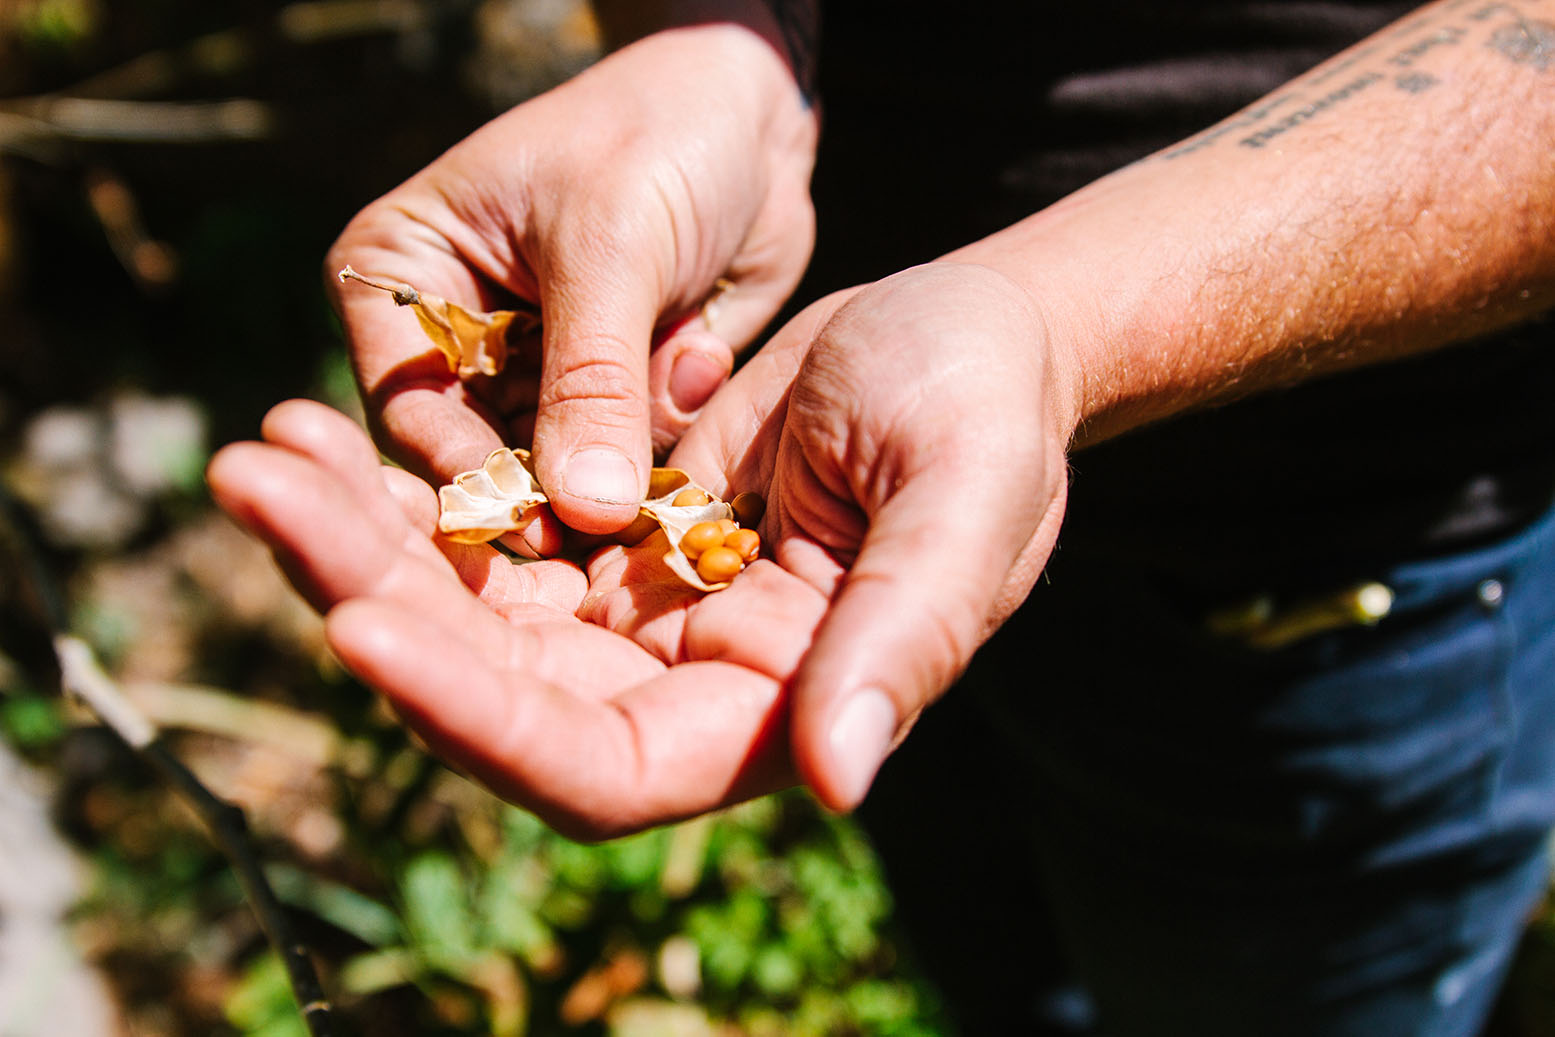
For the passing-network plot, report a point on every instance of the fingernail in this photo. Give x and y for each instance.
(601, 475)
(694, 379)
(860, 737)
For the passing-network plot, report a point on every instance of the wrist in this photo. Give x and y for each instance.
(724, 67)
(1064, 327)
(789, 28)
(1119, 272)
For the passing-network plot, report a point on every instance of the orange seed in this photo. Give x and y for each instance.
(718, 564)
(744, 542)
(701, 537)
(690, 497)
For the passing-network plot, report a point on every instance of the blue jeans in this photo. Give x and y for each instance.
(1343, 835)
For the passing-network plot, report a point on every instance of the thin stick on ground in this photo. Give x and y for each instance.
(83, 676)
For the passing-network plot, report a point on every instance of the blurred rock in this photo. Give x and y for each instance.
(92, 473)
(81, 508)
(650, 1017)
(45, 987)
(63, 437)
(679, 967)
(156, 445)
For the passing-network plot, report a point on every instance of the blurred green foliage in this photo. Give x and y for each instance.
(31, 721)
(784, 914)
(783, 907)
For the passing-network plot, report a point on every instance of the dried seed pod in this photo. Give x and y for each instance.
(677, 521)
(642, 527)
(502, 496)
(499, 497)
(472, 341)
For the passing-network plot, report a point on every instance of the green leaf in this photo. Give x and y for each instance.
(262, 1004)
(437, 911)
(373, 971)
(636, 860)
(776, 972)
(509, 924)
(31, 721)
(340, 905)
(522, 832)
(578, 866)
(881, 1006)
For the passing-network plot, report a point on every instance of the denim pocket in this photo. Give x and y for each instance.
(1411, 737)
(1391, 736)
(1377, 741)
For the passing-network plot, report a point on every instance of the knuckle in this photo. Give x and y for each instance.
(587, 373)
(600, 229)
(950, 642)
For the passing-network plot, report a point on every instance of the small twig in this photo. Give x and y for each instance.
(83, 676)
(229, 830)
(227, 52)
(162, 122)
(104, 106)
(20, 531)
(404, 294)
(194, 707)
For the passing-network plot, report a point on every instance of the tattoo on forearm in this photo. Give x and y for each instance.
(1527, 42)
(799, 22)
(1262, 136)
(1396, 58)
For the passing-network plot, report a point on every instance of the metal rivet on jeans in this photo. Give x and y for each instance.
(1490, 593)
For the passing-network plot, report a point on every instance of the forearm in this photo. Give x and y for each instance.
(1397, 198)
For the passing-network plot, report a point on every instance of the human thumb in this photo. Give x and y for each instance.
(591, 441)
(931, 580)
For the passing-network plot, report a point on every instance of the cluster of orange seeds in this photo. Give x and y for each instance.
(721, 548)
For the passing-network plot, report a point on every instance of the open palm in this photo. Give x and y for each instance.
(487, 661)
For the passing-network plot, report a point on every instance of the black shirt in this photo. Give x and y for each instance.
(943, 123)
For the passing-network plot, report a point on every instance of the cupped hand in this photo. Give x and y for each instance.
(617, 204)
(912, 437)
(486, 660)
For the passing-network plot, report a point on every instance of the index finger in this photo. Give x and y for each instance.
(419, 411)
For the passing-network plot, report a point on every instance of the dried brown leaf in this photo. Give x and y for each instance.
(472, 341)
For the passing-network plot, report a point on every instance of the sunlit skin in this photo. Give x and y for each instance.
(686, 185)
(485, 659)
(624, 698)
